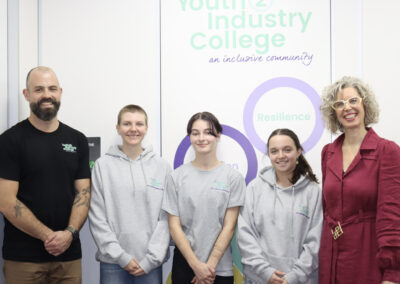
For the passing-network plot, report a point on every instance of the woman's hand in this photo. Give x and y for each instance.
(134, 268)
(139, 271)
(204, 274)
(389, 282)
(276, 278)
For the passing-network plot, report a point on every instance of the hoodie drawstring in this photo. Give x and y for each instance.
(291, 232)
(142, 167)
(133, 180)
(273, 209)
(292, 215)
(143, 172)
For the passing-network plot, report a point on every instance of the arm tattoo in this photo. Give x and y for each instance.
(82, 198)
(18, 208)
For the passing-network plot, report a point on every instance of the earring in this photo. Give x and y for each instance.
(297, 162)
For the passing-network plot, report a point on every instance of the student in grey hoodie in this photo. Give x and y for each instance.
(130, 231)
(279, 227)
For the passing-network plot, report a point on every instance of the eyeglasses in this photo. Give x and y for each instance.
(340, 104)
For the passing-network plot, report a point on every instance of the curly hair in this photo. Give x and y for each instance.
(329, 96)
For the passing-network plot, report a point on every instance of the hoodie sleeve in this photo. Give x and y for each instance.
(307, 262)
(248, 241)
(157, 248)
(105, 238)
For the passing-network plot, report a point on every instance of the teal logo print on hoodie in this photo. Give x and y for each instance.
(156, 184)
(303, 210)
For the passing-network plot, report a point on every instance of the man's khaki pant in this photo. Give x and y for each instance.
(62, 272)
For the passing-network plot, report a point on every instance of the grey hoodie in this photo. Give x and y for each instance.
(280, 229)
(124, 215)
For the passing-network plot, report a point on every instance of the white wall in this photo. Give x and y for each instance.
(381, 61)
(28, 48)
(106, 55)
(366, 44)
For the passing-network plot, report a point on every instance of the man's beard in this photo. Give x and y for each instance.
(45, 114)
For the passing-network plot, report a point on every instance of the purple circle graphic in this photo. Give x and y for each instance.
(235, 135)
(279, 83)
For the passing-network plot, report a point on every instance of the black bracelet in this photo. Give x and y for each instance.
(74, 232)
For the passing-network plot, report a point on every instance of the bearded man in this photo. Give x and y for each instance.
(44, 189)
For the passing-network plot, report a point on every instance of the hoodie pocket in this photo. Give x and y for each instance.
(283, 264)
(133, 242)
(248, 280)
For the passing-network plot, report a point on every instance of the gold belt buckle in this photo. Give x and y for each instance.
(337, 232)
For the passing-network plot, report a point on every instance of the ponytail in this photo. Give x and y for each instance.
(303, 168)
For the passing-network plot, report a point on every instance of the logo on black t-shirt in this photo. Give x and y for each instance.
(69, 148)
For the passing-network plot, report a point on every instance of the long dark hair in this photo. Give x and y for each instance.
(215, 126)
(302, 168)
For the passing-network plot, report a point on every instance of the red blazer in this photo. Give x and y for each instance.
(365, 200)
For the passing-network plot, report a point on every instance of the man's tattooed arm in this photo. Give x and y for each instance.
(81, 203)
(18, 208)
(18, 213)
(82, 198)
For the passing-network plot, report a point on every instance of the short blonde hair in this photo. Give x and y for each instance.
(131, 108)
(330, 94)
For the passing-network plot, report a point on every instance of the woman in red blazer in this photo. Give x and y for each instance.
(361, 191)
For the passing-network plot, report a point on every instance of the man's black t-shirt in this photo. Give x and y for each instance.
(46, 166)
